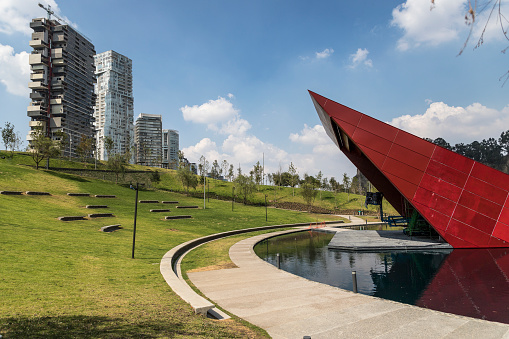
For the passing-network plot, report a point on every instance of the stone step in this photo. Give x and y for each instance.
(105, 196)
(36, 193)
(78, 194)
(100, 215)
(71, 218)
(11, 193)
(163, 210)
(111, 228)
(173, 217)
(170, 202)
(96, 206)
(148, 202)
(187, 207)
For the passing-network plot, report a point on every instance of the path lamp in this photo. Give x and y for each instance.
(233, 196)
(135, 215)
(265, 207)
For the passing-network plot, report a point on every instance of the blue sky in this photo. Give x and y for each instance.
(232, 76)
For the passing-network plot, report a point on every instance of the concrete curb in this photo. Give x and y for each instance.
(170, 269)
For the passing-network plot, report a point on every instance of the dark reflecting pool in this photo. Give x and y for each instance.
(474, 283)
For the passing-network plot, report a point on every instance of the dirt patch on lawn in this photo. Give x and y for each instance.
(214, 267)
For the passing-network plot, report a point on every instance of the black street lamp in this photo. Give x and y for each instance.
(265, 207)
(135, 215)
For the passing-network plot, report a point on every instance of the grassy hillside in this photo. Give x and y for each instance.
(67, 279)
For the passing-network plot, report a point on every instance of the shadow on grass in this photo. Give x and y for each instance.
(85, 327)
(67, 176)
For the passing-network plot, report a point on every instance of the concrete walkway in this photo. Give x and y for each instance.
(288, 306)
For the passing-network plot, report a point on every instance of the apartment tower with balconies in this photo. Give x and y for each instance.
(62, 83)
(114, 106)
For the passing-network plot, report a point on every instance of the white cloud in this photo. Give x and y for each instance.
(311, 135)
(325, 53)
(456, 124)
(14, 71)
(360, 57)
(219, 116)
(16, 15)
(421, 25)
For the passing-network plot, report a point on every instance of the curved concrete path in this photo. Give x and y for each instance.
(288, 306)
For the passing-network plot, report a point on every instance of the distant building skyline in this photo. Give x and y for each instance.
(114, 106)
(62, 83)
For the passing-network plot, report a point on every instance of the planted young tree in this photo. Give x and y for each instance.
(117, 163)
(231, 172)
(109, 146)
(346, 184)
(294, 177)
(85, 148)
(215, 171)
(257, 173)
(42, 147)
(224, 168)
(187, 178)
(10, 138)
(308, 192)
(245, 185)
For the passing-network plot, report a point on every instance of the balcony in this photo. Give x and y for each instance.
(35, 59)
(37, 44)
(37, 85)
(36, 111)
(37, 76)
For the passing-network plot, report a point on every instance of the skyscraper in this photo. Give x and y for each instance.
(148, 138)
(170, 148)
(114, 112)
(62, 82)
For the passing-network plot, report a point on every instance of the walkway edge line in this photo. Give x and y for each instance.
(168, 265)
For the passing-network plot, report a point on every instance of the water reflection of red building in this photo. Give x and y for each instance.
(473, 283)
(465, 201)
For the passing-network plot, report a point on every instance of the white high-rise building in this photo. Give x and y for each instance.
(170, 148)
(114, 106)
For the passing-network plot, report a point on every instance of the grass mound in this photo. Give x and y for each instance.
(67, 279)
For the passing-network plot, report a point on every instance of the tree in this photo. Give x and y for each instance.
(224, 168)
(85, 147)
(42, 147)
(294, 177)
(346, 184)
(231, 172)
(214, 172)
(108, 145)
(308, 193)
(258, 173)
(319, 177)
(245, 185)
(187, 178)
(117, 163)
(10, 138)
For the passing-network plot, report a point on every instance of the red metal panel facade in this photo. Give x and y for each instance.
(464, 201)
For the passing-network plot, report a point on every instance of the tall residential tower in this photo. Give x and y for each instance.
(62, 82)
(170, 148)
(148, 138)
(114, 112)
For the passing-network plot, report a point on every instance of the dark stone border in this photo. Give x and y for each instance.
(173, 217)
(71, 218)
(111, 228)
(11, 193)
(170, 202)
(78, 194)
(96, 206)
(105, 196)
(100, 215)
(148, 201)
(36, 193)
(187, 207)
(167, 210)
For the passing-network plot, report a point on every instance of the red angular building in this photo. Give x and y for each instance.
(464, 201)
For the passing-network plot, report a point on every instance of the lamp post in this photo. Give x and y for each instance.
(233, 196)
(135, 215)
(265, 207)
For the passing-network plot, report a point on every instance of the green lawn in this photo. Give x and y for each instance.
(66, 279)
